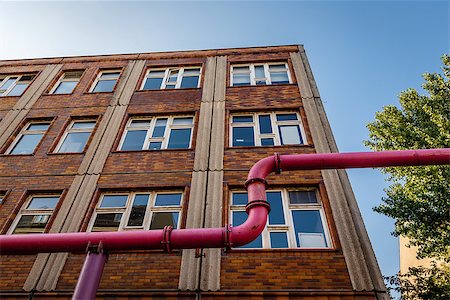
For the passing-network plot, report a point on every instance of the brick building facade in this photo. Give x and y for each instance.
(139, 141)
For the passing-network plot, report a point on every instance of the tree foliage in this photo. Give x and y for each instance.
(419, 197)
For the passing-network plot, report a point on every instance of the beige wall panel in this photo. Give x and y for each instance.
(36, 271)
(12, 126)
(217, 137)
(203, 137)
(208, 81)
(131, 83)
(122, 83)
(220, 81)
(7, 120)
(53, 72)
(189, 271)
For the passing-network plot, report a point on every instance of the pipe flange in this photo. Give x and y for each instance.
(227, 237)
(254, 203)
(256, 179)
(277, 163)
(166, 239)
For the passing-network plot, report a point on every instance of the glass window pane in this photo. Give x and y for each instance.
(18, 89)
(254, 244)
(259, 72)
(267, 142)
(241, 79)
(27, 144)
(191, 72)
(243, 136)
(104, 86)
(182, 121)
(73, 75)
(8, 83)
(140, 123)
(170, 86)
(279, 77)
(286, 117)
(32, 224)
(43, 202)
(138, 209)
(161, 219)
(308, 222)
(276, 215)
(113, 75)
(74, 142)
(107, 222)
(168, 199)
(239, 217)
(302, 197)
(160, 127)
(245, 69)
(179, 138)
(278, 240)
(134, 140)
(41, 126)
(157, 74)
(153, 83)
(240, 199)
(189, 82)
(66, 87)
(277, 68)
(114, 201)
(265, 126)
(290, 135)
(83, 125)
(155, 145)
(173, 76)
(242, 119)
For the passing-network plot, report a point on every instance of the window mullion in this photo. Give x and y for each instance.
(167, 132)
(267, 74)
(252, 75)
(149, 133)
(179, 78)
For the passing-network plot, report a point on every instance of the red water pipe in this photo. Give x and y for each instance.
(257, 208)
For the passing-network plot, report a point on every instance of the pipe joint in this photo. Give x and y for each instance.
(255, 203)
(227, 237)
(166, 239)
(256, 179)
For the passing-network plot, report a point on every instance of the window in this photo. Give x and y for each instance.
(2, 196)
(105, 81)
(157, 133)
(146, 210)
(28, 139)
(67, 82)
(171, 78)
(33, 218)
(266, 129)
(15, 85)
(260, 74)
(76, 136)
(296, 220)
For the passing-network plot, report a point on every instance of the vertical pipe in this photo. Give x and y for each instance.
(90, 276)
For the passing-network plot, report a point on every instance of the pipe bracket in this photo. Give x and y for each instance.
(166, 239)
(227, 237)
(256, 179)
(94, 248)
(277, 163)
(254, 203)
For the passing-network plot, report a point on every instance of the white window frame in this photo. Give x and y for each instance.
(25, 131)
(150, 128)
(126, 211)
(258, 136)
(33, 212)
(69, 129)
(19, 77)
(167, 71)
(288, 227)
(98, 78)
(63, 79)
(252, 72)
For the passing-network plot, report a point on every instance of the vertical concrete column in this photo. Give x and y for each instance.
(47, 268)
(361, 262)
(190, 265)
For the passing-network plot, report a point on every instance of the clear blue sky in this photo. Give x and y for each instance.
(363, 54)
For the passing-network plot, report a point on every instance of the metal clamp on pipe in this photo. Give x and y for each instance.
(277, 163)
(95, 248)
(227, 237)
(252, 180)
(254, 203)
(166, 239)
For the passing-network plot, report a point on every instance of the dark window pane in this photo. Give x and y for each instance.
(40, 126)
(189, 82)
(153, 84)
(155, 145)
(264, 124)
(242, 119)
(18, 89)
(278, 240)
(267, 142)
(241, 79)
(110, 75)
(254, 244)
(302, 197)
(140, 123)
(243, 136)
(65, 87)
(114, 201)
(276, 215)
(83, 125)
(74, 142)
(43, 202)
(107, 222)
(286, 117)
(179, 138)
(168, 199)
(134, 140)
(290, 135)
(239, 217)
(161, 219)
(160, 127)
(240, 199)
(308, 228)
(27, 144)
(279, 77)
(138, 210)
(32, 224)
(104, 86)
(182, 121)
(173, 76)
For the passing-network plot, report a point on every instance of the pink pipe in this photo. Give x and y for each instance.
(221, 237)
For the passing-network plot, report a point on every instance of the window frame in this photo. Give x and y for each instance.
(165, 78)
(288, 227)
(252, 73)
(13, 85)
(63, 79)
(275, 135)
(150, 128)
(98, 78)
(126, 210)
(34, 212)
(69, 129)
(23, 132)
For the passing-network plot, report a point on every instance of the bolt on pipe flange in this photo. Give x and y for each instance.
(254, 203)
(256, 179)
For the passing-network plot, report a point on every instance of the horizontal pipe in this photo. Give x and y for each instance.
(221, 237)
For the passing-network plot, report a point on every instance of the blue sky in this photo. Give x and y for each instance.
(363, 54)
